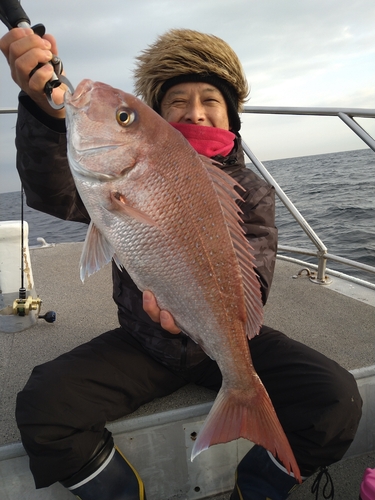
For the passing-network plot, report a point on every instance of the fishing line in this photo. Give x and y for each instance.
(22, 290)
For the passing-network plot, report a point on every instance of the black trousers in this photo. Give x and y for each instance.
(64, 407)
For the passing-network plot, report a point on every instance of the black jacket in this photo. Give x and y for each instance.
(49, 187)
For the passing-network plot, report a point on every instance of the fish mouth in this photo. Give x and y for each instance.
(82, 94)
(80, 97)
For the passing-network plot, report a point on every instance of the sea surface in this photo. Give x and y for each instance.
(334, 192)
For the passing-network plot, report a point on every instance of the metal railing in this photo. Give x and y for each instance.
(8, 111)
(322, 255)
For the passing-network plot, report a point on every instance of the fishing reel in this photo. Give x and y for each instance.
(25, 305)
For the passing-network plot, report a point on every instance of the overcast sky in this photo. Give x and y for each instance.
(294, 52)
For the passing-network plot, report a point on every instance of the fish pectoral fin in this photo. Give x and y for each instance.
(122, 207)
(96, 253)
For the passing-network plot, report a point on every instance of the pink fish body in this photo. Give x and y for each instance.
(170, 217)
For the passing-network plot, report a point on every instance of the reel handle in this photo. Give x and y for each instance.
(50, 317)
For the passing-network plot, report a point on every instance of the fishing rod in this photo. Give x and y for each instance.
(13, 16)
(24, 304)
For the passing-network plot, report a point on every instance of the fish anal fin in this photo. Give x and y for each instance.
(96, 253)
(235, 414)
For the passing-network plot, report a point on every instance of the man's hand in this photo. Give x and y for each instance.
(24, 50)
(165, 319)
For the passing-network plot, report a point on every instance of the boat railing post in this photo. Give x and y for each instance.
(320, 276)
(322, 264)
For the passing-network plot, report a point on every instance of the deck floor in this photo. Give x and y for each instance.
(333, 323)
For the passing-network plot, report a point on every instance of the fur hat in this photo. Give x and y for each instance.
(182, 55)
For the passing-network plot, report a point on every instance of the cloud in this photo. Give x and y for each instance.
(306, 53)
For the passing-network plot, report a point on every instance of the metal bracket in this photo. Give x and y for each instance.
(313, 276)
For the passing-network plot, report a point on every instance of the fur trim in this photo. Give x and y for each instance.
(183, 51)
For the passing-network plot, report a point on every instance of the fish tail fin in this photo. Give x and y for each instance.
(235, 415)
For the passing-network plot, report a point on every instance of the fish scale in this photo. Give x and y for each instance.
(170, 217)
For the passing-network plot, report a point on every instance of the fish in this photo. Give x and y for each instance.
(170, 217)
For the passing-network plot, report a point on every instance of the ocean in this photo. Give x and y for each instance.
(334, 192)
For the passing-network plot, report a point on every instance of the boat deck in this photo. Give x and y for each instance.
(338, 320)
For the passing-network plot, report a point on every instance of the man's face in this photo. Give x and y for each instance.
(197, 103)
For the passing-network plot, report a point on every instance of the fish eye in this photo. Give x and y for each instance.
(124, 117)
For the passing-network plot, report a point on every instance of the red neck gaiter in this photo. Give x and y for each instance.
(208, 141)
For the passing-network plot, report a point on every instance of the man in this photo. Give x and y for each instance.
(196, 82)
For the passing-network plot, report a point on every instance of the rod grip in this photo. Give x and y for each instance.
(12, 13)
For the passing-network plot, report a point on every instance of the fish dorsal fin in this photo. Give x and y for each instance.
(96, 253)
(224, 186)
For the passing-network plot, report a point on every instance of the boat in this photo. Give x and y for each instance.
(329, 310)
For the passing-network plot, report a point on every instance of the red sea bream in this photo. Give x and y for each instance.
(170, 217)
